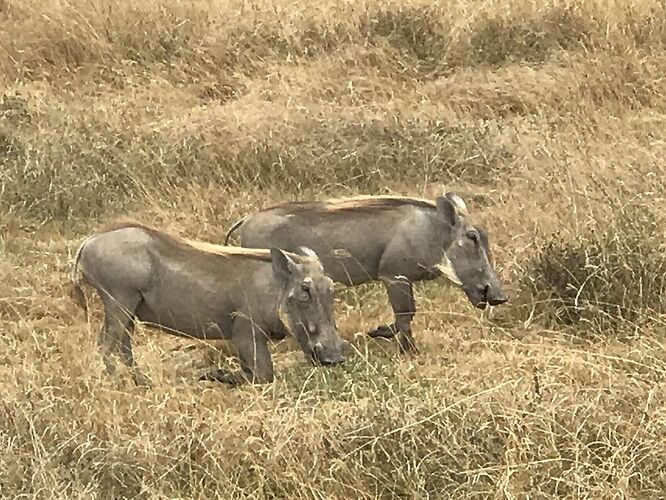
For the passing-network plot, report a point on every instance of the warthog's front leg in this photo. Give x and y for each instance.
(255, 358)
(384, 331)
(280, 332)
(401, 296)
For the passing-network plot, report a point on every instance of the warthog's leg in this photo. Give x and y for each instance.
(401, 296)
(279, 332)
(255, 358)
(128, 358)
(119, 315)
(107, 346)
(384, 331)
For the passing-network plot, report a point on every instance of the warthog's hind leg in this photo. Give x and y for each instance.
(106, 345)
(128, 358)
(119, 316)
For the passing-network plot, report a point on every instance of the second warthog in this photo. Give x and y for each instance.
(398, 240)
(205, 291)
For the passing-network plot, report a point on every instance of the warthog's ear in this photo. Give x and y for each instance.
(308, 252)
(283, 266)
(458, 203)
(447, 210)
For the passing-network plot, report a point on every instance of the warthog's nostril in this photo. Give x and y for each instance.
(333, 360)
(327, 357)
(484, 292)
(496, 301)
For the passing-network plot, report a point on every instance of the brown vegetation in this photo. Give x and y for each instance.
(548, 117)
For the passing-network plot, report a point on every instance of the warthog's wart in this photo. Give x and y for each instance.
(397, 240)
(208, 292)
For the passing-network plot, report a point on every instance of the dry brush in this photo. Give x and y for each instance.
(547, 116)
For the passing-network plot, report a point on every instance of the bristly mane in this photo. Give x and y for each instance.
(356, 203)
(228, 251)
(202, 246)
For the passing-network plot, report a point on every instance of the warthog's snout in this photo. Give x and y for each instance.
(491, 296)
(327, 355)
(497, 301)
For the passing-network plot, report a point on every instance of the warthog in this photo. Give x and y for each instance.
(206, 291)
(397, 240)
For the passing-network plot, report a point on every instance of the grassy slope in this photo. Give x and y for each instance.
(549, 119)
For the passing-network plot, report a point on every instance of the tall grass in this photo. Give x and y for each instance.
(547, 117)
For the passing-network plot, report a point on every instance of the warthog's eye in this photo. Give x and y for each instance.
(474, 236)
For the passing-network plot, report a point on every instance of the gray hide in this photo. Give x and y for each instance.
(396, 240)
(208, 292)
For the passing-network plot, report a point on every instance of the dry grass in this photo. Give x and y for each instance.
(549, 117)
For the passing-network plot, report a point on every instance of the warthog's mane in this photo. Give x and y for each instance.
(356, 204)
(228, 251)
(202, 246)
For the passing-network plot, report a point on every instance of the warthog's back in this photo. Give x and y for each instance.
(356, 204)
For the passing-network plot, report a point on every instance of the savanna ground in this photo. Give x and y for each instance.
(548, 117)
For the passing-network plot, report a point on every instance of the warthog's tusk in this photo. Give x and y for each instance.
(342, 253)
(446, 268)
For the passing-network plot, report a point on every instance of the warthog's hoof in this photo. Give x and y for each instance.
(278, 335)
(382, 331)
(220, 375)
(140, 380)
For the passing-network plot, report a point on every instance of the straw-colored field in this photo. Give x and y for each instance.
(548, 117)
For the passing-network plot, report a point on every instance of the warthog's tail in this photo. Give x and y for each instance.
(236, 225)
(76, 291)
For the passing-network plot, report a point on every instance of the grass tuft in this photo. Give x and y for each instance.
(607, 279)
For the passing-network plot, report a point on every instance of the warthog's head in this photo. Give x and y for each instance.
(309, 305)
(468, 260)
